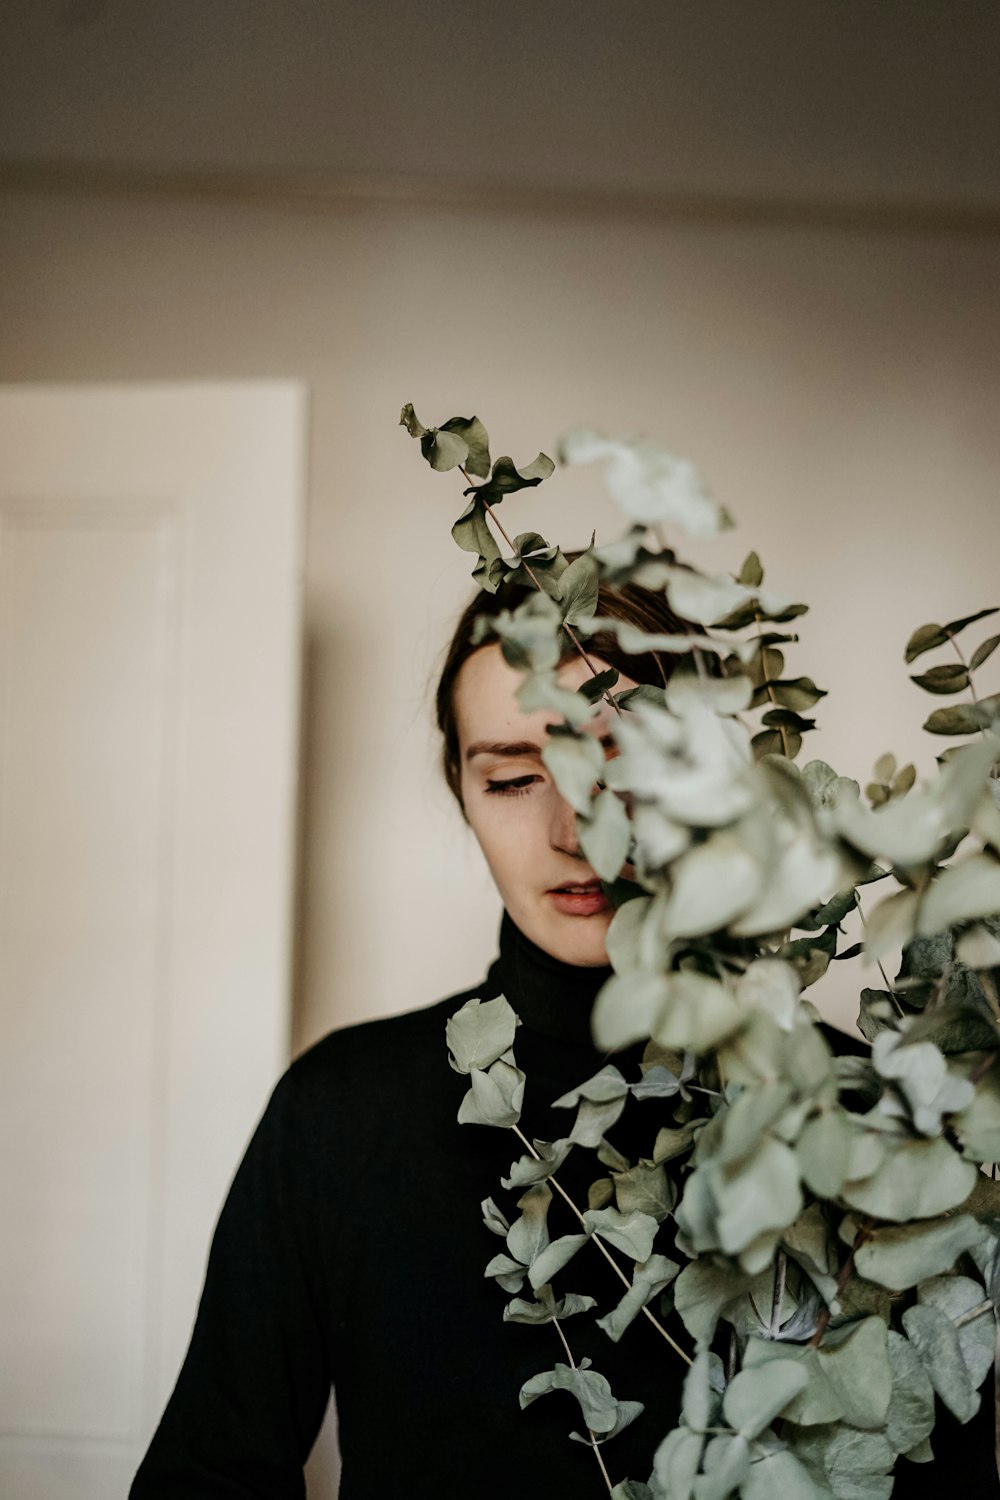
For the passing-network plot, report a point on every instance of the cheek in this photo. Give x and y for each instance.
(506, 830)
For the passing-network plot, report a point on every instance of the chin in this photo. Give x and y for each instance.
(579, 940)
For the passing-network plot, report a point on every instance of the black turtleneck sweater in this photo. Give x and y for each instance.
(350, 1252)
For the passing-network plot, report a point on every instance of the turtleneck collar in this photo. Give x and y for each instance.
(552, 998)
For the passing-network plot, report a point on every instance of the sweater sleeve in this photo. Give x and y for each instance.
(254, 1385)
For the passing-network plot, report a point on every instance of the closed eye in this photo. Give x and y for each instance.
(513, 786)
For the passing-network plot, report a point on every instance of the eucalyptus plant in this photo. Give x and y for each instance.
(833, 1231)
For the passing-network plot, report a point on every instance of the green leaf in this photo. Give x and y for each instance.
(823, 1150)
(854, 1465)
(549, 1157)
(675, 1463)
(480, 1032)
(578, 589)
(700, 1403)
(649, 1279)
(936, 1340)
(725, 1465)
(910, 1418)
(575, 763)
(818, 1401)
(509, 1273)
(984, 652)
(779, 1473)
(602, 682)
(956, 1297)
(961, 893)
(958, 718)
(797, 692)
(697, 1013)
(473, 434)
(751, 572)
(953, 677)
(917, 1180)
(855, 1360)
(605, 835)
(472, 533)
(545, 1308)
(601, 1412)
(755, 1397)
(605, 1086)
(494, 1097)
(711, 884)
(703, 1291)
(493, 1218)
(900, 1256)
(631, 1233)
(505, 479)
(554, 1257)
(627, 1008)
(930, 636)
(528, 1236)
(763, 1194)
(644, 1189)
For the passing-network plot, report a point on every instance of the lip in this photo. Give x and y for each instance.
(586, 898)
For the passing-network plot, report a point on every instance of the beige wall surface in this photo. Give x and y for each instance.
(839, 388)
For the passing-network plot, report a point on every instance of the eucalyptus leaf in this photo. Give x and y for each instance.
(703, 1291)
(910, 1418)
(755, 1397)
(632, 1233)
(957, 718)
(927, 637)
(494, 1098)
(548, 1158)
(505, 479)
(984, 652)
(779, 1473)
(855, 1360)
(575, 763)
(479, 1032)
(649, 1279)
(936, 1340)
(957, 1297)
(605, 835)
(726, 1463)
(961, 893)
(676, 1462)
(900, 1256)
(529, 1236)
(493, 1218)
(648, 484)
(578, 589)
(918, 1179)
(952, 677)
(644, 1188)
(554, 1257)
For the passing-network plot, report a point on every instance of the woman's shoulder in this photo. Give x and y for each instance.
(360, 1065)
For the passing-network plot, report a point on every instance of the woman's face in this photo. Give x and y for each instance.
(526, 830)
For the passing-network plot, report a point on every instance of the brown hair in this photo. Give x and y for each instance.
(630, 602)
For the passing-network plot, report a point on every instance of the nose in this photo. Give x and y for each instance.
(562, 831)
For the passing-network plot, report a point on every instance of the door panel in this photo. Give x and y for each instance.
(150, 582)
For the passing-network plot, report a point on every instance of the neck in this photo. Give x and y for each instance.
(551, 997)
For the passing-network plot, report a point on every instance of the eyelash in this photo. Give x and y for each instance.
(517, 786)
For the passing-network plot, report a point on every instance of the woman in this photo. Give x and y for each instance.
(351, 1248)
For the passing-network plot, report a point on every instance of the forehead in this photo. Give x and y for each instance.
(486, 706)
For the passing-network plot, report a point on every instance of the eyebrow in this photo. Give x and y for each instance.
(502, 747)
(514, 748)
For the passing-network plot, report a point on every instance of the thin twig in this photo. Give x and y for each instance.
(593, 1440)
(596, 1239)
(778, 1295)
(782, 730)
(822, 1322)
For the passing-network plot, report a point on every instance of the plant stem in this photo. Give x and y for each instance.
(593, 1440)
(822, 1322)
(770, 686)
(778, 1295)
(596, 1239)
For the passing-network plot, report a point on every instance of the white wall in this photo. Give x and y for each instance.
(839, 389)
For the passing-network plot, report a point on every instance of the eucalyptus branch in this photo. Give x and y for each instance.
(577, 643)
(593, 1440)
(778, 1295)
(596, 1240)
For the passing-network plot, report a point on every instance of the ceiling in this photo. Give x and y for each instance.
(888, 102)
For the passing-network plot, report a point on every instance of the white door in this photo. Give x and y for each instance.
(150, 594)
